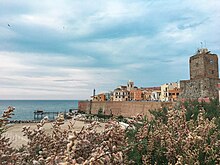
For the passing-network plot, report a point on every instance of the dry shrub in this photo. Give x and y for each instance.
(7, 153)
(176, 141)
(91, 147)
(182, 142)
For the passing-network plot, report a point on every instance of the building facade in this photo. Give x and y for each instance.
(99, 97)
(136, 95)
(151, 93)
(121, 94)
(166, 88)
(174, 94)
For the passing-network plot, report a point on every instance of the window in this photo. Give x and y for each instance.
(211, 71)
(211, 61)
(197, 64)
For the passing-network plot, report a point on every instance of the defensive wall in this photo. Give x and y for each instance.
(124, 108)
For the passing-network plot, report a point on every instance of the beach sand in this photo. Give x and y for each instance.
(14, 131)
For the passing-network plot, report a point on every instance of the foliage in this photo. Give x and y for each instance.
(160, 114)
(7, 153)
(176, 140)
(121, 119)
(212, 110)
(102, 115)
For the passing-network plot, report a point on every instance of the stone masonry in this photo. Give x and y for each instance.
(124, 108)
(204, 77)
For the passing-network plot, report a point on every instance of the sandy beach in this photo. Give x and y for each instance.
(14, 131)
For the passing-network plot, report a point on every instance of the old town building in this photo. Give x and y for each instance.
(165, 88)
(151, 93)
(174, 94)
(99, 97)
(121, 94)
(136, 94)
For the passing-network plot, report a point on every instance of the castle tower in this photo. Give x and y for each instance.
(203, 65)
(204, 77)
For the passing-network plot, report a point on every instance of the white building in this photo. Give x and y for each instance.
(121, 94)
(165, 90)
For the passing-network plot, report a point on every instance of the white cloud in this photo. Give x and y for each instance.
(20, 72)
(65, 49)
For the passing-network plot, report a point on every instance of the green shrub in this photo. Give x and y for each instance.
(212, 110)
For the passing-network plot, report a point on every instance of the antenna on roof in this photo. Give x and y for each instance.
(201, 45)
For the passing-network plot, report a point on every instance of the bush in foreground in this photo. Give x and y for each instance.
(173, 141)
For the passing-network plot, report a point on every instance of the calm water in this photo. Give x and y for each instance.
(24, 108)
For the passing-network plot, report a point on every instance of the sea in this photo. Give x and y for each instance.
(24, 109)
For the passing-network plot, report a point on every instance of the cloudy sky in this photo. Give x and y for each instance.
(63, 49)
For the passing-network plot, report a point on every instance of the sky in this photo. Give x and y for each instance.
(63, 49)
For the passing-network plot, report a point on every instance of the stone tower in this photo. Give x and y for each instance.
(203, 65)
(204, 77)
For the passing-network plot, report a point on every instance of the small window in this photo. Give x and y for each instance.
(211, 61)
(213, 72)
(197, 64)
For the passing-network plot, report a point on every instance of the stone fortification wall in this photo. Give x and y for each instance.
(124, 108)
(199, 88)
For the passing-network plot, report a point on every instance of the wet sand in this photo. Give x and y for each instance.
(14, 131)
